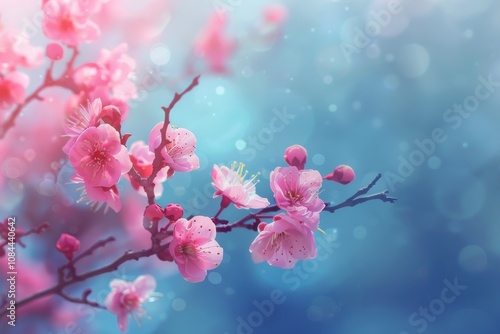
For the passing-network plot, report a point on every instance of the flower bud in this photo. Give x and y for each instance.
(54, 51)
(68, 245)
(296, 155)
(153, 212)
(174, 212)
(261, 226)
(342, 174)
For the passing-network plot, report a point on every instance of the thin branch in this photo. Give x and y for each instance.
(63, 81)
(329, 206)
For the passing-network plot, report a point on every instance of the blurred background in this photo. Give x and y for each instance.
(409, 89)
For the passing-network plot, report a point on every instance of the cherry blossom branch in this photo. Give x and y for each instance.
(62, 283)
(21, 234)
(354, 200)
(148, 183)
(63, 81)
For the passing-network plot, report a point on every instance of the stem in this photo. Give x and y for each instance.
(63, 81)
(58, 288)
(329, 206)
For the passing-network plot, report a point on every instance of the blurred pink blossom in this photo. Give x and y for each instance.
(213, 45)
(127, 298)
(65, 21)
(12, 89)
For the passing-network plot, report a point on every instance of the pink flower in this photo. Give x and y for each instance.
(296, 155)
(68, 245)
(231, 184)
(342, 174)
(213, 45)
(194, 249)
(99, 157)
(12, 89)
(296, 191)
(80, 121)
(98, 196)
(178, 154)
(128, 297)
(142, 160)
(117, 63)
(67, 22)
(15, 50)
(283, 242)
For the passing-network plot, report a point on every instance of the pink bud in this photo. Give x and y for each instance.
(174, 212)
(54, 51)
(153, 212)
(111, 115)
(261, 227)
(342, 174)
(68, 245)
(296, 155)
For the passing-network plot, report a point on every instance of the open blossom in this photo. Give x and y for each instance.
(127, 298)
(283, 242)
(12, 89)
(99, 157)
(67, 22)
(80, 121)
(213, 45)
(98, 196)
(194, 249)
(231, 184)
(178, 154)
(142, 160)
(296, 191)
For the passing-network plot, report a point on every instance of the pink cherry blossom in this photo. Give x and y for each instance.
(67, 22)
(142, 160)
(127, 298)
(12, 89)
(213, 45)
(283, 242)
(98, 196)
(15, 50)
(296, 191)
(178, 154)
(99, 157)
(231, 184)
(194, 249)
(80, 121)
(103, 93)
(117, 63)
